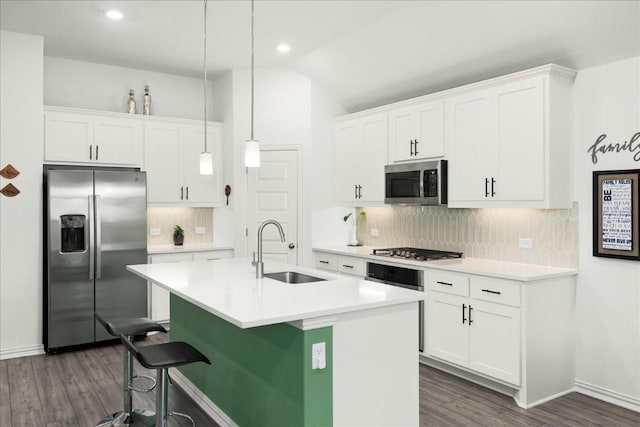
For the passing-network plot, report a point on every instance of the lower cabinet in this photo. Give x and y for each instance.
(352, 266)
(471, 332)
(158, 297)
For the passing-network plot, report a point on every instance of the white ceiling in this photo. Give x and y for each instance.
(365, 53)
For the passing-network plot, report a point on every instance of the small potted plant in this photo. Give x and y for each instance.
(178, 235)
(353, 241)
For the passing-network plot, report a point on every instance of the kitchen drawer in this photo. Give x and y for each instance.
(326, 261)
(211, 255)
(450, 283)
(352, 265)
(495, 290)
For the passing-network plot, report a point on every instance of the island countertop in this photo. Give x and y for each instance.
(228, 289)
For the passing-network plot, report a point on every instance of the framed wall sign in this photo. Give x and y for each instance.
(616, 198)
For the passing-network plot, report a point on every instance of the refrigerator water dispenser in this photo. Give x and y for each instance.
(72, 233)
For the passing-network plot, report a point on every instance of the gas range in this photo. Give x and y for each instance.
(416, 254)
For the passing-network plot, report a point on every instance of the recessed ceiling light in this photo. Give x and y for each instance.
(283, 48)
(116, 15)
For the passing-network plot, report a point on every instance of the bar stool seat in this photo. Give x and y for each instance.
(129, 328)
(161, 357)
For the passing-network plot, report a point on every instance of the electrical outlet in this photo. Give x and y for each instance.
(201, 230)
(374, 232)
(525, 243)
(318, 356)
(154, 231)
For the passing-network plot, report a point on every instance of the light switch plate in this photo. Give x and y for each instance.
(154, 231)
(374, 232)
(201, 230)
(525, 243)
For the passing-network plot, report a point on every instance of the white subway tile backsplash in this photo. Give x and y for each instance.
(479, 233)
(187, 218)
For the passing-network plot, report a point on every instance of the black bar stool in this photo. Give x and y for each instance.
(161, 357)
(129, 327)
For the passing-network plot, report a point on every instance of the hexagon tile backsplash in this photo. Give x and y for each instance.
(478, 233)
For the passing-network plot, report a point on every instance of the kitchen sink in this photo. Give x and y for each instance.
(292, 277)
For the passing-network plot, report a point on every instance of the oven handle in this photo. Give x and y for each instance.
(399, 285)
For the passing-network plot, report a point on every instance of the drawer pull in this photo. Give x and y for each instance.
(444, 283)
(347, 266)
(324, 262)
(464, 319)
(491, 292)
(470, 321)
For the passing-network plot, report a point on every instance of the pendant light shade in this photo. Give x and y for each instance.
(206, 163)
(252, 154)
(206, 159)
(252, 147)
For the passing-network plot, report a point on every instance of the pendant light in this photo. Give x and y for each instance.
(206, 159)
(252, 147)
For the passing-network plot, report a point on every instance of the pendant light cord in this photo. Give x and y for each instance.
(205, 76)
(252, 54)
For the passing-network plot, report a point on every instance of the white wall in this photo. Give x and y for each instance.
(21, 137)
(606, 100)
(79, 84)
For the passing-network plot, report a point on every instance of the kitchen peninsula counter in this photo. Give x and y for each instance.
(259, 335)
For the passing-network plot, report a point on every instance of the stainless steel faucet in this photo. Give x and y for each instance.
(259, 264)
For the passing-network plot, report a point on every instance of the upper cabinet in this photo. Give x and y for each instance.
(416, 132)
(360, 157)
(172, 162)
(82, 137)
(509, 142)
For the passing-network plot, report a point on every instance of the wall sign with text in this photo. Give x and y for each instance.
(616, 197)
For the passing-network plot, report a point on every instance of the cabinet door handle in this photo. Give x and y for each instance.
(97, 152)
(347, 266)
(491, 292)
(187, 192)
(323, 262)
(464, 319)
(486, 187)
(444, 283)
(470, 321)
(359, 191)
(415, 147)
(493, 181)
(91, 152)
(356, 190)
(181, 193)
(411, 147)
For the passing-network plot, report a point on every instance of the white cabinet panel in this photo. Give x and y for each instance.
(417, 132)
(352, 265)
(326, 261)
(360, 157)
(159, 297)
(212, 255)
(172, 162)
(92, 138)
(447, 337)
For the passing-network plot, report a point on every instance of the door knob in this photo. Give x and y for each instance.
(292, 246)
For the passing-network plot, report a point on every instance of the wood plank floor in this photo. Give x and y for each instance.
(76, 389)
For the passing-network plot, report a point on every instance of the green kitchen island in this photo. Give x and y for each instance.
(341, 352)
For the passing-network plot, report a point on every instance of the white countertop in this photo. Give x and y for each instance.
(190, 247)
(228, 289)
(485, 267)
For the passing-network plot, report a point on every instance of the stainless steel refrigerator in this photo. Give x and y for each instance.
(95, 224)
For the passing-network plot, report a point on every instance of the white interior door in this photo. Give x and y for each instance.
(272, 193)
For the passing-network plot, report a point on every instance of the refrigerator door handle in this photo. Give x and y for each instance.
(92, 244)
(98, 247)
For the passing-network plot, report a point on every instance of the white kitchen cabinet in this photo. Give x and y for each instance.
(158, 297)
(471, 332)
(93, 138)
(172, 151)
(509, 142)
(360, 157)
(417, 132)
(343, 264)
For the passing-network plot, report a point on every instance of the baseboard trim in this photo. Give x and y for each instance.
(29, 350)
(200, 399)
(609, 396)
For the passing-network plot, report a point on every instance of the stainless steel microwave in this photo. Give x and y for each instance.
(422, 183)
